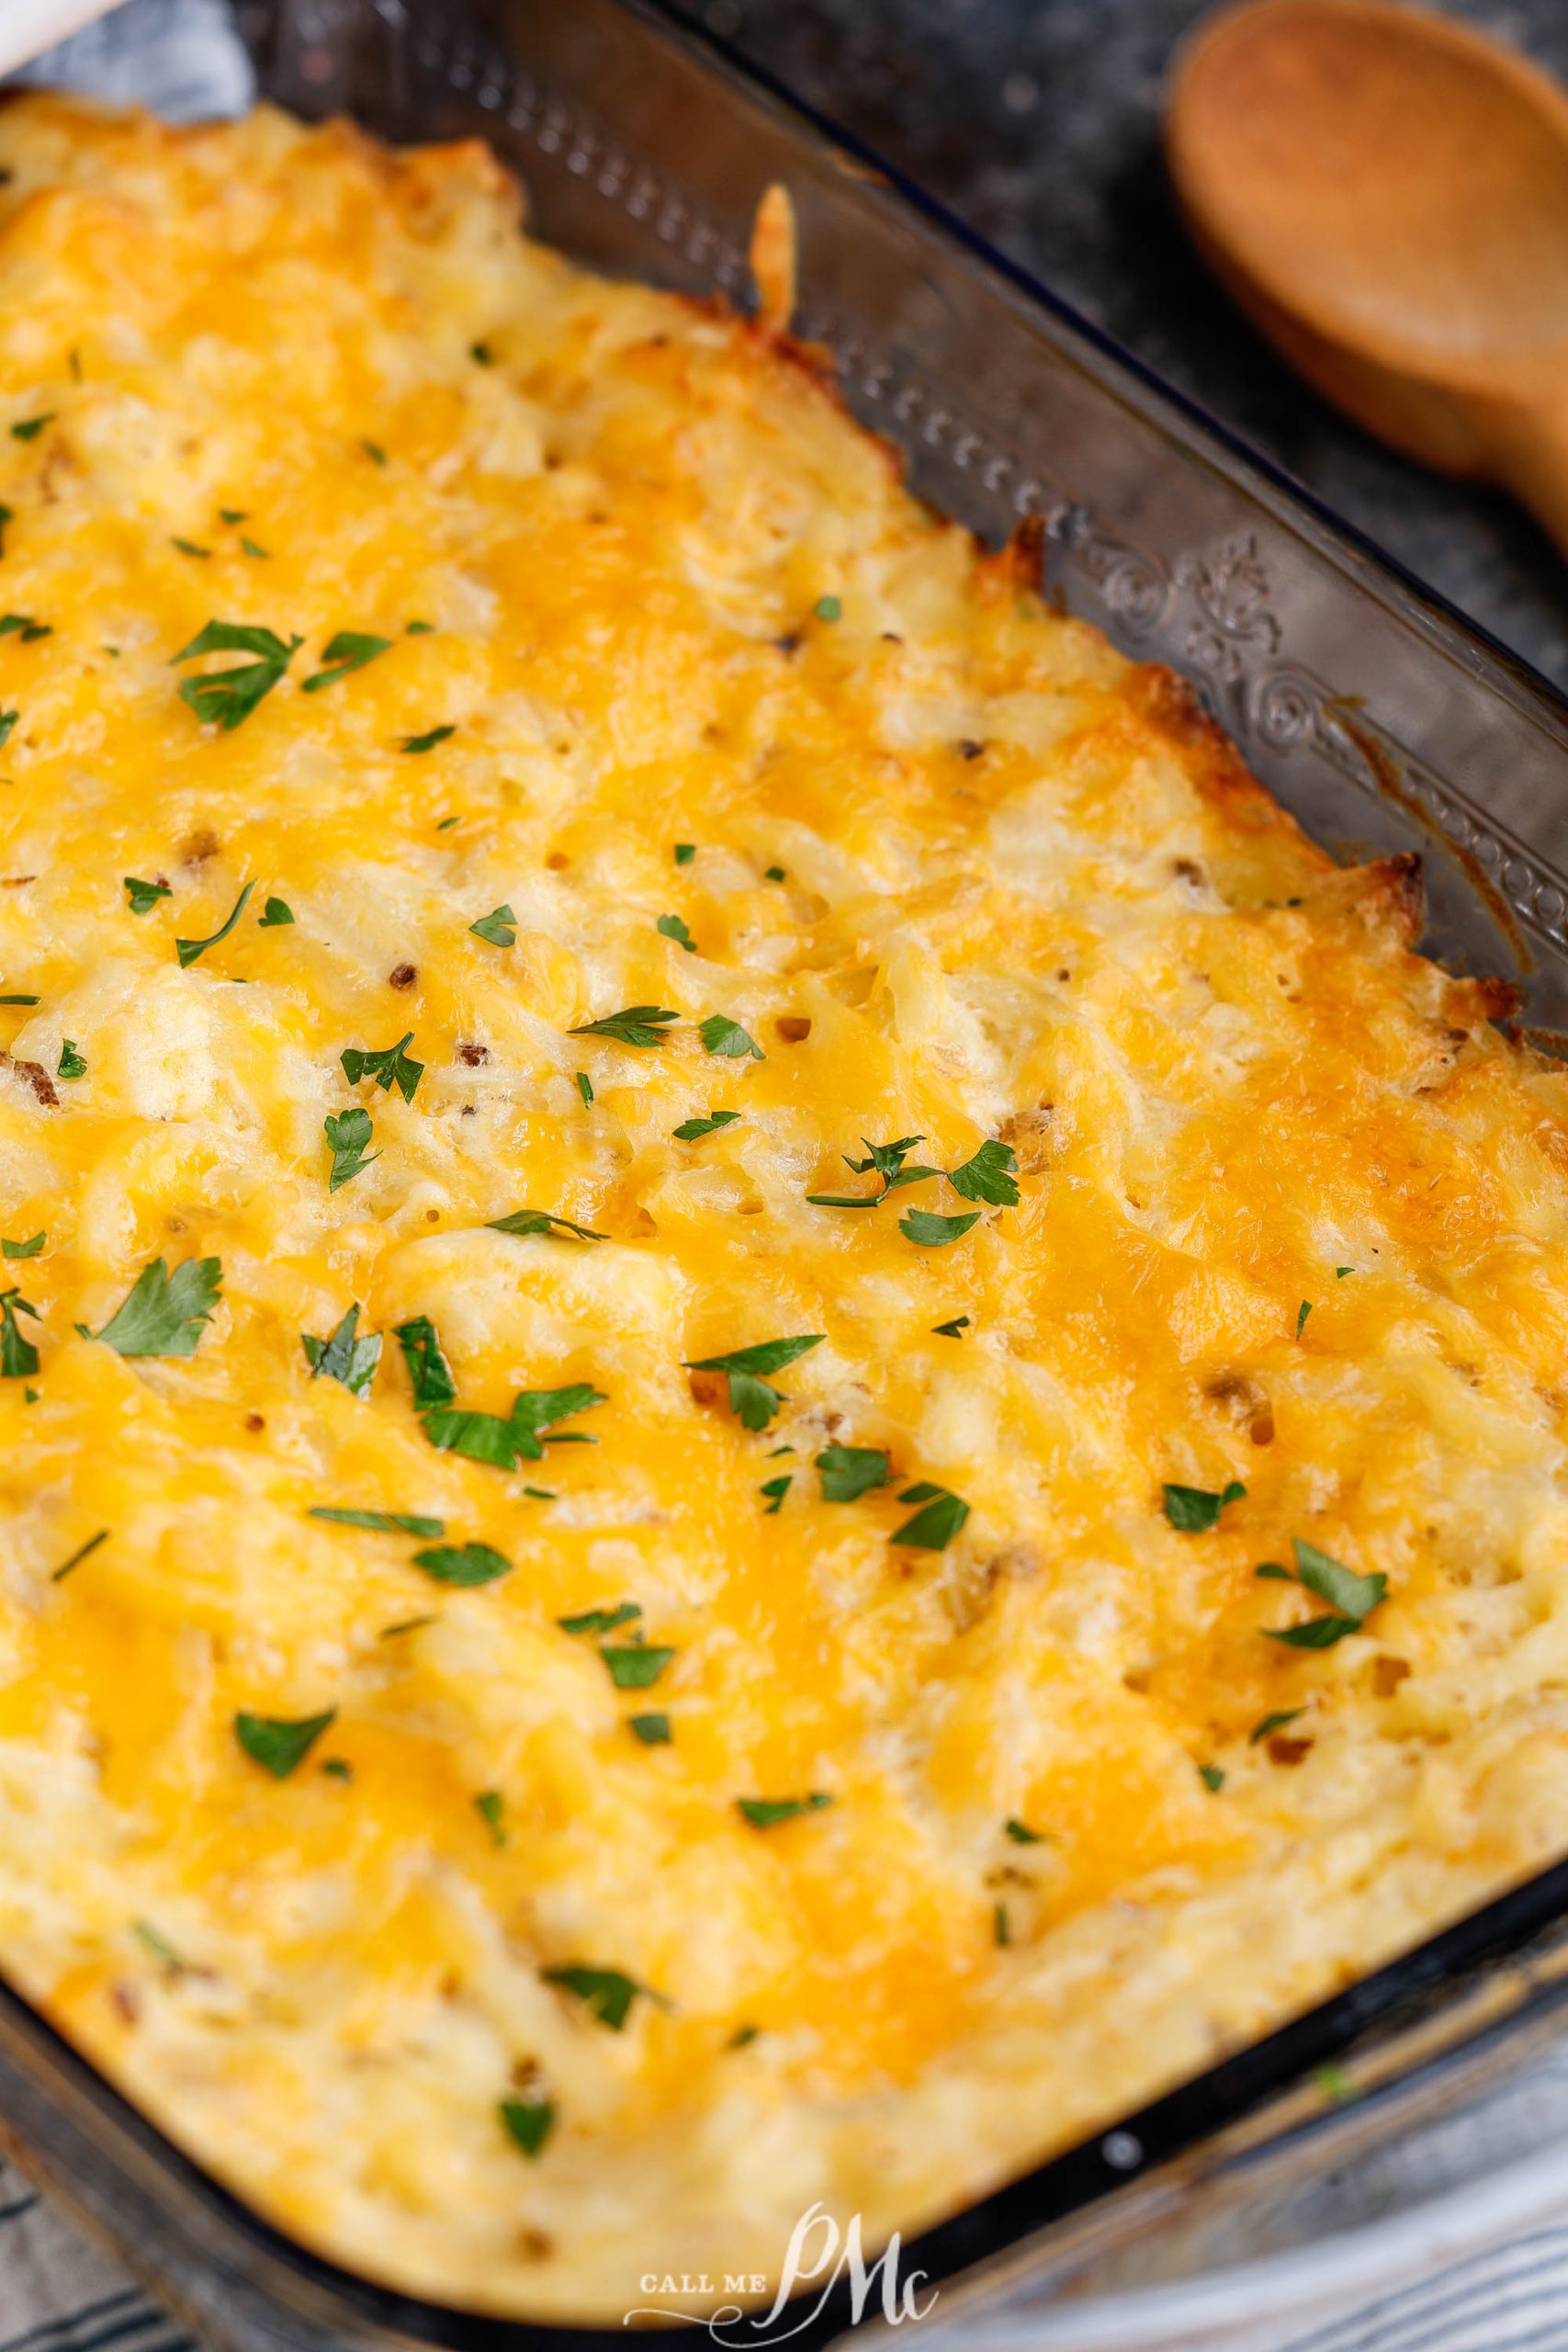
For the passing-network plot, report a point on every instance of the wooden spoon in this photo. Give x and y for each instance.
(1386, 193)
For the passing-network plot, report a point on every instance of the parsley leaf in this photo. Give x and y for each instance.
(71, 1063)
(540, 1221)
(428, 1368)
(652, 1730)
(389, 1066)
(638, 1665)
(144, 896)
(600, 1621)
(490, 1806)
(18, 1357)
(164, 1314)
(530, 2121)
(829, 608)
(275, 914)
(1275, 1722)
(31, 426)
(82, 1552)
(684, 852)
(25, 625)
(499, 927)
(1352, 1597)
(485, 1437)
(934, 1232)
(989, 1176)
(606, 1991)
(278, 1745)
(463, 1564)
(345, 652)
(344, 1356)
(189, 950)
(1020, 1832)
(720, 1034)
(374, 451)
(1212, 1777)
(24, 1249)
(690, 1129)
(934, 1526)
(887, 1161)
(673, 927)
(766, 1812)
(639, 1025)
(774, 874)
(347, 1135)
(585, 1087)
(850, 1471)
(8, 721)
(953, 1330)
(1301, 1313)
(479, 1437)
(427, 741)
(752, 1399)
(1193, 1510)
(777, 1488)
(381, 1523)
(189, 546)
(224, 697)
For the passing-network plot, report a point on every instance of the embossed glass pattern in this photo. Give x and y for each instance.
(1373, 711)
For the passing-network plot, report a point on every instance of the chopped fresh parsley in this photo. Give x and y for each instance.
(1340, 1272)
(347, 651)
(490, 1806)
(8, 514)
(374, 451)
(953, 1330)
(499, 927)
(1001, 1933)
(380, 1523)
(8, 721)
(161, 1949)
(1301, 1313)
(275, 915)
(989, 1176)
(31, 426)
(1020, 1832)
(485, 1437)
(1275, 1722)
(395, 1632)
(144, 896)
(428, 740)
(1212, 1777)
(585, 1087)
(18, 1357)
(280, 1746)
(71, 1064)
(652, 1730)
(935, 1524)
(24, 1249)
(234, 514)
(778, 1488)
(850, 1471)
(463, 1564)
(24, 626)
(189, 546)
(886, 1160)
(529, 2121)
(540, 1221)
(606, 1991)
(1193, 1510)
(389, 1066)
(638, 1024)
(752, 1399)
(600, 1621)
(428, 1368)
(721, 1034)
(336, 1769)
(933, 1231)
(189, 950)
(482, 353)
(348, 1132)
(638, 1665)
(83, 1551)
(344, 1356)
(684, 852)
(224, 697)
(673, 927)
(419, 629)
(165, 1314)
(1350, 1597)
(766, 1812)
(829, 608)
(249, 547)
(774, 874)
(690, 1129)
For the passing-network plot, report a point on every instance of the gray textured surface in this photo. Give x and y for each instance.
(1038, 121)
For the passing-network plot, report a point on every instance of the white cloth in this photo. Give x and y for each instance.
(58, 2294)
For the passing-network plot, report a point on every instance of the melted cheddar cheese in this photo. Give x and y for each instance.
(958, 872)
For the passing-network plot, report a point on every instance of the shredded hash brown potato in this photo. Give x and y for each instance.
(917, 1781)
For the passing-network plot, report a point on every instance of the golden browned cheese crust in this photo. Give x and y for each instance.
(900, 1861)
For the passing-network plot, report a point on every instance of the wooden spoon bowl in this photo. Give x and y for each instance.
(1386, 193)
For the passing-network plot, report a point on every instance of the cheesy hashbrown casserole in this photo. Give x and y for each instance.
(576, 1674)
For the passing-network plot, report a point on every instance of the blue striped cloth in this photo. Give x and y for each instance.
(58, 2294)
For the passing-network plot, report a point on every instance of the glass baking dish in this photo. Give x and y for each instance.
(1378, 714)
